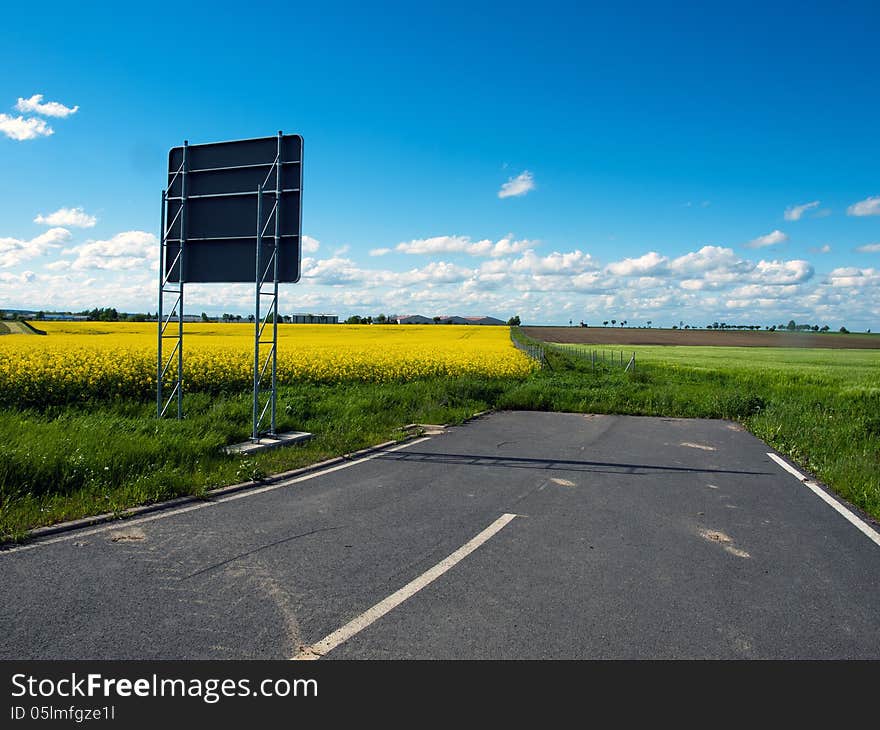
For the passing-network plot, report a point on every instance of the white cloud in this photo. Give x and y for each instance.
(693, 284)
(310, 245)
(507, 246)
(573, 262)
(770, 239)
(26, 277)
(868, 206)
(821, 249)
(380, 251)
(35, 105)
(591, 281)
(649, 263)
(854, 277)
(782, 272)
(439, 271)
(463, 244)
(708, 258)
(13, 250)
(332, 271)
(796, 212)
(125, 251)
(517, 186)
(74, 217)
(869, 248)
(21, 128)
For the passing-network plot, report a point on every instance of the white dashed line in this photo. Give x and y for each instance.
(356, 625)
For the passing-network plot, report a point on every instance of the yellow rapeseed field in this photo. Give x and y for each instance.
(82, 360)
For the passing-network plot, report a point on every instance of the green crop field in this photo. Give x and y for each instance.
(850, 368)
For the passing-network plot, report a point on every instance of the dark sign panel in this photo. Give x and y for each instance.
(218, 223)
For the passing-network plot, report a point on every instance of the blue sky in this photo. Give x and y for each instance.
(650, 152)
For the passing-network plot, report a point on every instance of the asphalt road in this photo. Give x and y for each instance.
(632, 538)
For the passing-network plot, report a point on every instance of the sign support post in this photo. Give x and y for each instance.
(164, 369)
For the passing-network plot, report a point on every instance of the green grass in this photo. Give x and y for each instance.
(67, 462)
(820, 407)
(15, 327)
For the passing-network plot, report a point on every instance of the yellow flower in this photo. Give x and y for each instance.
(81, 360)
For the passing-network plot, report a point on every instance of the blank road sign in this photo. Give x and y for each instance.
(219, 197)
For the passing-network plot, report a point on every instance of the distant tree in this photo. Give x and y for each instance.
(825, 328)
(675, 326)
(354, 319)
(605, 323)
(437, 320)
(844, 331)
(41, 315)
(205, 317)
(791, 326)
(513, 321)
(250, 318)
(815, 328)
(613, 322)
(381, 319)
(649, 323)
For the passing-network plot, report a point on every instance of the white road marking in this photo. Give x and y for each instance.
(869, 532)
(371, 615)
(698, 446)
(125, 524)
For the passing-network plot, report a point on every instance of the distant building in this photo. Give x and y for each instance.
(419, 319)
(472, 320)
(313, 319)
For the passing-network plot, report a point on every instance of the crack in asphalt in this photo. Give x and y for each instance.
(259, 549)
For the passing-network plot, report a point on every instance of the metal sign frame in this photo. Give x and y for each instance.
(276, 260)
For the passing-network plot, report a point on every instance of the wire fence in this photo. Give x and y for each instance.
(536, 352)
(601, 358)
(598, 359)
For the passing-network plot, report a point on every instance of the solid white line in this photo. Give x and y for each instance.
(124, 524)
(356, 625)
(863, 526)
